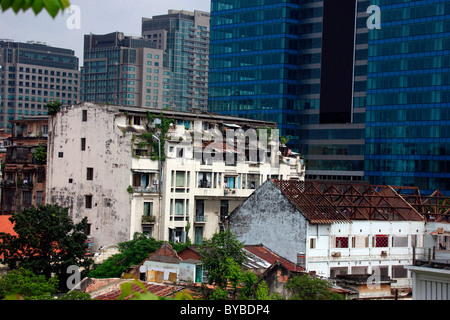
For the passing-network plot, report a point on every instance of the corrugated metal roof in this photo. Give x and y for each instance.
(312, 203)
(333, 202)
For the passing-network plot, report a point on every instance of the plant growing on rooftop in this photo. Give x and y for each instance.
(53, 107)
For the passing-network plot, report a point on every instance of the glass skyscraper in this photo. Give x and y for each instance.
(184, 36)
(302, 64)
(408, 96)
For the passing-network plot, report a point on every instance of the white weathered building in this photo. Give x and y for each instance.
(103, 165)
(333, 229)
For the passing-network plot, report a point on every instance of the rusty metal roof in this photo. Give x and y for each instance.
(333, 202)
(311, 202)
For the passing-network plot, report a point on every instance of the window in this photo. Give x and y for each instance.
(380, 241)
(198, 235)
(399, 272)
(400, 242)
(179, 180)
(360, 242)
(230, 182)
(341, 242)
(84, 115)
(204, 179)
(179, 207)
(39, 197)
(148, 209)
(26, 198)
(90, 174)
(83, 144)
(88, 202)
(312, 243)
(224, 207)
(60, 154)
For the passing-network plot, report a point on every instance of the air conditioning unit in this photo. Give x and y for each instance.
(336, 254)
(155, 182)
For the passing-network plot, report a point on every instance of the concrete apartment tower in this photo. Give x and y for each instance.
(184, 36)
(33, 74)
(124, 70)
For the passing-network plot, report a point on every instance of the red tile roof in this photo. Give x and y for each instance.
(271, 257)
(6, 226)
(258, 250)
(114, 292)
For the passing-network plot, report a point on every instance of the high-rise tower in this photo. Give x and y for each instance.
(184, 36)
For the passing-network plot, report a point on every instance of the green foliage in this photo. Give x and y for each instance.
(47, 242)
(40, 154)
(219, 256)
(53, 107)
(130, 189)
(24, 284)
(131, 253)
(262, 292)
(284, 140)
(52, 6)
(162, 129)
(305, 287)
(75, 295)
(218, 294)
(249, 280)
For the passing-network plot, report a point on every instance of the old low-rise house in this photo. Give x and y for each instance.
(24, 172)
(335, 229)
(104, 164)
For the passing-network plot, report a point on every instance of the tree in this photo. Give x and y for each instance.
(40, 154)
(52, 6)
(305, 287)
(47, 242)
(131, 253)
(219, 256)
(24, 284)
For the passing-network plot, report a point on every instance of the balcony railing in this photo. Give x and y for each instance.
(200, 218)
(150, 189)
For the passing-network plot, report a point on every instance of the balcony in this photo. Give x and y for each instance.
(200, 218)
(148, 219)
(149, 189)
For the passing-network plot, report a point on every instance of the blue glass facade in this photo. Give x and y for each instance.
(267, 62)
(254, 51)
(408, 96)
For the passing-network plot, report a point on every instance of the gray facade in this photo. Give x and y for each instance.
(33, 74)
(268, 217)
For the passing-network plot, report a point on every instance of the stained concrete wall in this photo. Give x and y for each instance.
(108, 152)
(269, 218)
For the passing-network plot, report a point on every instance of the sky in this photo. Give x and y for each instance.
(67, 30)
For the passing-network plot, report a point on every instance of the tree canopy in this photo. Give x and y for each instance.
(47, 242)
(305, 287)
(220, 255)
(51, 6)
(24, 284)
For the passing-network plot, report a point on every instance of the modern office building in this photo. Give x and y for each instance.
(408, 96)
(359, 101)
(124, 70)
(288, 62)
(33, 74)
(184, 36)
